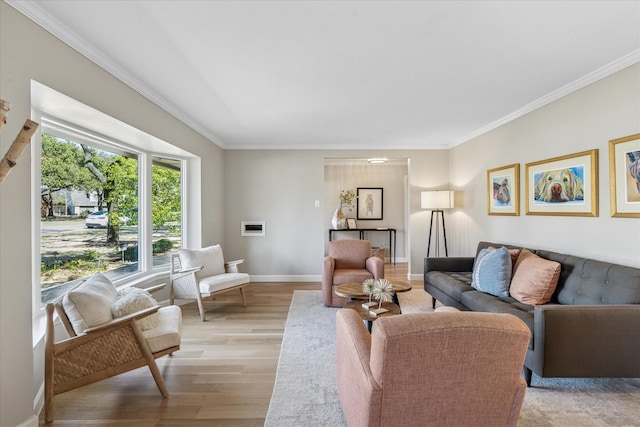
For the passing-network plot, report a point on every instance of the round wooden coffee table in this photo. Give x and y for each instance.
(365, 313)
(354, 290)
(357, 297)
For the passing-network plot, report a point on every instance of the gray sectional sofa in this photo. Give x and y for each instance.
(590, 328)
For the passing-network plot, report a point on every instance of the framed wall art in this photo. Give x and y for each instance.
(566, 185)
(369, 203)
(624, 173)
(503, 190)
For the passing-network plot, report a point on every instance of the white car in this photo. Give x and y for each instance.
(97, 219)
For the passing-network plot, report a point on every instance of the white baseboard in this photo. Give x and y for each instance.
(38, 402)
(289, 278)
(32, 421)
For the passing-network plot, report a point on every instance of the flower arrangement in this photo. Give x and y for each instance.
(347, 198)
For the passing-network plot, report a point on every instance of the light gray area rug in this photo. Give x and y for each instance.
(305, 394)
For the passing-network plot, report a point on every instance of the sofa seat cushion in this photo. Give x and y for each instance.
(168, 333)
(89, 304)
(351, 275)
(451, 283)
(221, 282)
(480, 301)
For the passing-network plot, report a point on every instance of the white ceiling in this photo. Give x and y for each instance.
(348, 74)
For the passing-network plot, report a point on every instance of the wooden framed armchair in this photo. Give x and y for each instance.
(202, 273)
(101, 346)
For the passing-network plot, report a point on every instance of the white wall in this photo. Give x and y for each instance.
(281, 186)
(28, 52)
(584, 120)
(278, 187)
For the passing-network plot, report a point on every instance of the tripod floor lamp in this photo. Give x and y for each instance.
(436, 201)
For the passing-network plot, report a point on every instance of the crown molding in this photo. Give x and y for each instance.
(599, 74)
(32, 10)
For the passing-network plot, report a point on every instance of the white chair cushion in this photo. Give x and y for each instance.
(134, 299)
(168, 333)
(222, 281)
(89, 304)
(211, 258)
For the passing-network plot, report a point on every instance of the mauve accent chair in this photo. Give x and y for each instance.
(436, 369)
(348, 261)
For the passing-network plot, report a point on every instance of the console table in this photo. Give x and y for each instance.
(363, 231)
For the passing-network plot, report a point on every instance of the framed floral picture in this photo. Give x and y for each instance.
(503, 190)
(566, 185)
(624, 174)
(369, 203)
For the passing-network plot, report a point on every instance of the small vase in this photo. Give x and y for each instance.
(338, 221)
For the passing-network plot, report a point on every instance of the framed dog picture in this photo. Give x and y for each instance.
(566, 185)
(369, 203)
(503, 190)
(624, 173)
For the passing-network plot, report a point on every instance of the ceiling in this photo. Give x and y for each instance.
(348, 74)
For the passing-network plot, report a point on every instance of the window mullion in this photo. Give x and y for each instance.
(145, 222)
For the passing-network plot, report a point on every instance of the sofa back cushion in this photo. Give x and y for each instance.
(350, 253)
(586, 281)
(210, 258)
(89, 304)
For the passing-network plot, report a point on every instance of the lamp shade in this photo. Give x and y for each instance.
(436, 199)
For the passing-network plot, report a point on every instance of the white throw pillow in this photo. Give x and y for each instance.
(134, 299)
(211, 258)
(89, 304)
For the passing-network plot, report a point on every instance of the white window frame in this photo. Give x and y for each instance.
(145, 146)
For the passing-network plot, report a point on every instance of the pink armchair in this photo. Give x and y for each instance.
(436, 369)
(348, 261)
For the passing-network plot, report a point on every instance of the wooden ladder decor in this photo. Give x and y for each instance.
(19, 144)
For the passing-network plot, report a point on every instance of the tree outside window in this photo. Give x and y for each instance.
(77, 180)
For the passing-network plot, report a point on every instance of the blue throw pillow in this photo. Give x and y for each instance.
(492, 272)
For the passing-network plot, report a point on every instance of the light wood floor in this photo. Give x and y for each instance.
(223, 375)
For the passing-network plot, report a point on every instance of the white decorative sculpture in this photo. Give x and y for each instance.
(382, 291)
(367, 288)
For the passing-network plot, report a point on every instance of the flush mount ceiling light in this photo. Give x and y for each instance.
(377, 160)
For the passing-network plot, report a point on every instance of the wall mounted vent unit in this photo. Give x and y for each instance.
(252, 228)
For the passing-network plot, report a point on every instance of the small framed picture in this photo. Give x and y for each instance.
(503, 190)
(566, 185)
(351, 223)
(369, 203)
(624, 171)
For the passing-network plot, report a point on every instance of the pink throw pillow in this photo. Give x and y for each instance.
(534, 279)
